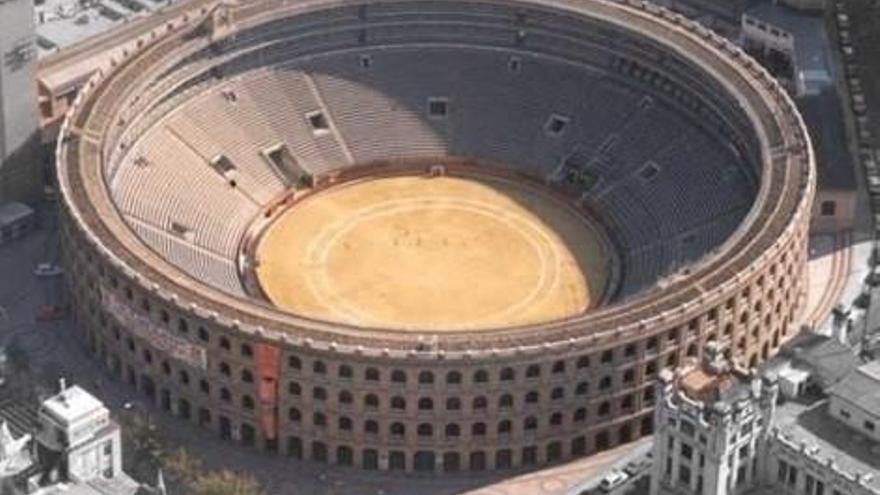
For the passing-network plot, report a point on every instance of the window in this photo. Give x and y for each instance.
(426, 378)
(371, 375)
(453, 378)
(366, 61)
(294, 388)
(687, 428)
(481, 376)
(438, 108)
(318, 123)
(345, 371)
(533, 371)
(869, 425)
(507, 374)
(556, 125)
(558, 367)
(686, 451)
(684, 474)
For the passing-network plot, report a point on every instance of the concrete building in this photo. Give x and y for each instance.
(76, 448)
(18, 118)
(724, 431)
(793, 44)
(709, 421)
(855, 401)
(18, 105)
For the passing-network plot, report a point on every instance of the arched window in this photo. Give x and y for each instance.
(558, 367)
(425, 430)
(479, 403)
(426, 404)
(453, 378)
(580, 415)
(224, 369)
(481, 376)
(507, 374)
(293, 388)
(371, 375)
(345, 371)
(371, 401)
(398, 376)
(532, 397)
(604, 408)
(533, 371)
(426, 377)
(583, 388)
(224, 343)
(247, 376)
(453, 404)
(478, 429)
(247, 402)
(556, 419)
(530, 423)
(558, 393)
(504, 426)
(294, 362)
(225, 395)
(397, 429)
(398, 403)
(345, 423)
(318, 419)
(345, 397)
(605, 383)
(452, 430)
(371, 427)
(505, 401)
(294, 415)
(246, 350)
(319, 368)
(319, 393)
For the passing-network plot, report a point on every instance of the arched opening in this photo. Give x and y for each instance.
(423, 461)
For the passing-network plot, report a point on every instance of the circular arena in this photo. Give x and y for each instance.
(438, 236)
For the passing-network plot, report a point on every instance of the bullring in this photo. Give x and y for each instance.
(689, 157)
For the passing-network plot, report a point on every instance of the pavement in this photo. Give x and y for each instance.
(55, 351)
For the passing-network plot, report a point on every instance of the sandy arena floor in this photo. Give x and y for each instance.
(433, 254)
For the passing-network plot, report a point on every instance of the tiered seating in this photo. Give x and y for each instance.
(202, 264)
(375, 124)
(189, 212)
(320, 152)
(241, 138)
(174, 185)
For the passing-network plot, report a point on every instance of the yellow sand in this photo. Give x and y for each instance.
(432, 254)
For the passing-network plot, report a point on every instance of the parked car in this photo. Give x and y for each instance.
(633, 468)
(47, 270)
(613, 480)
